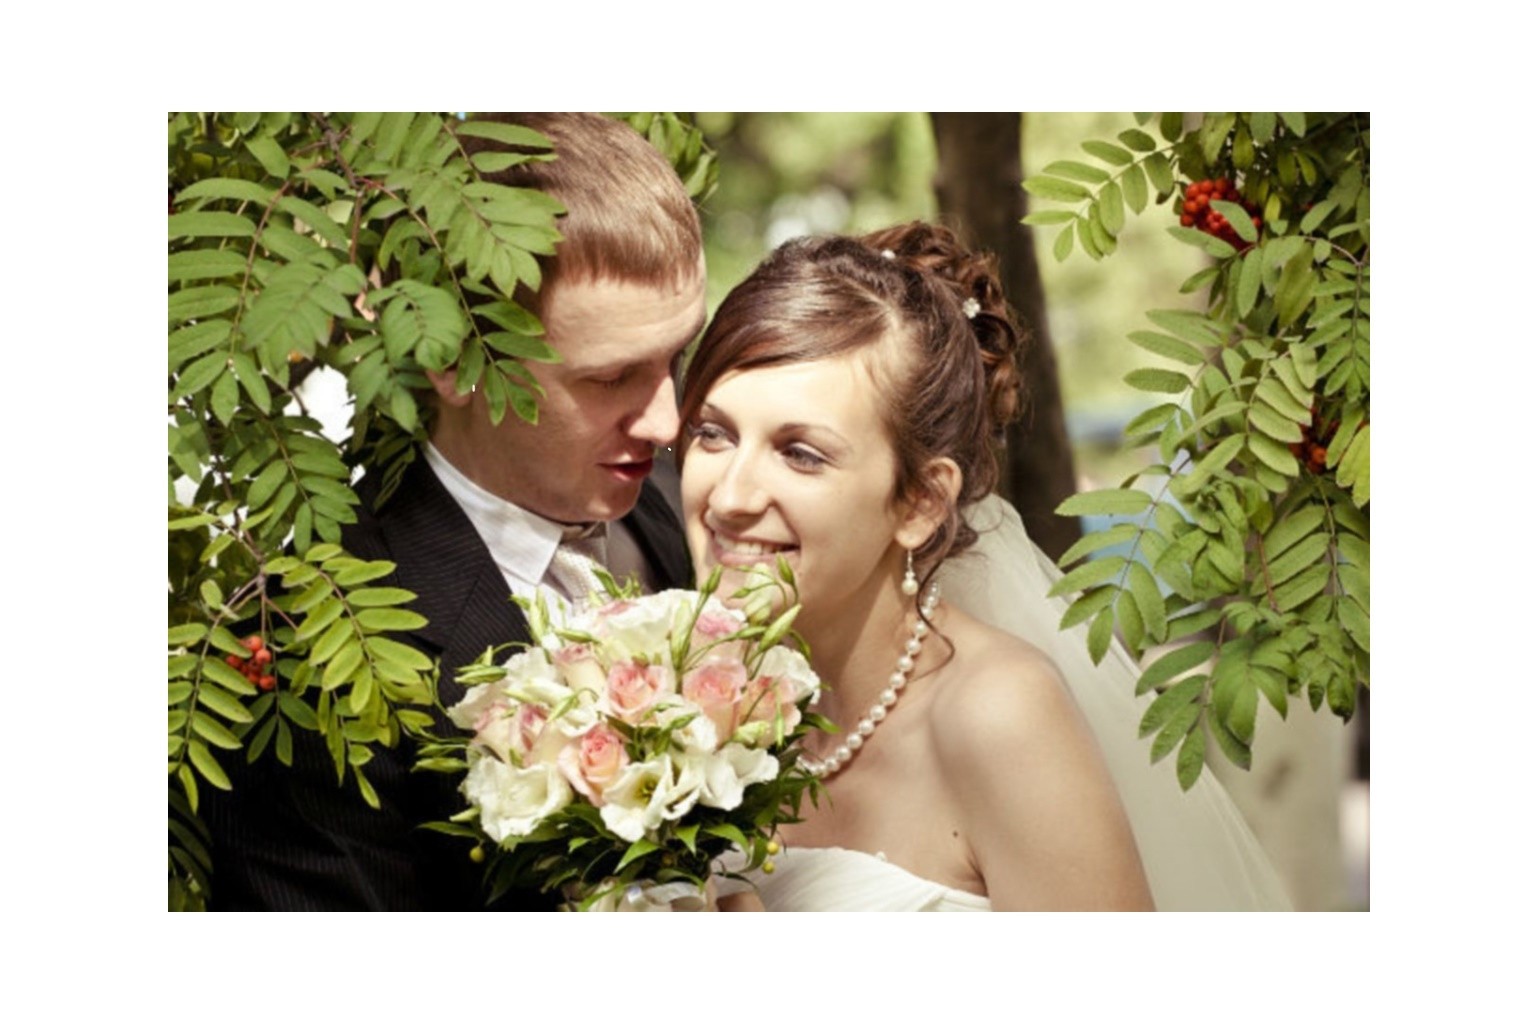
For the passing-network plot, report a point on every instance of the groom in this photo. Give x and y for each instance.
(483, 511)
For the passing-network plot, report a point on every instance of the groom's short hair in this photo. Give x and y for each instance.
(628, 217)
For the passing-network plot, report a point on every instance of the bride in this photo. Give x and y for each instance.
(840, 413)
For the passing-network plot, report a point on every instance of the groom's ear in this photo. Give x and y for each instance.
(444, 384)
(931, 503)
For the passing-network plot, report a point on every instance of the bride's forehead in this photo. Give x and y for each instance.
(836, 382)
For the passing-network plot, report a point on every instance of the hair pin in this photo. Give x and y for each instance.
(970, 307)
(888, 254)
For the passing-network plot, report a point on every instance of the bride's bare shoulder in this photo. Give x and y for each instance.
(999, 686)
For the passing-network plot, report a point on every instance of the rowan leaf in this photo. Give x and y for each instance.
(1114, 501)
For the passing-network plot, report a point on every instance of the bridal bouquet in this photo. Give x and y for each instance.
(633, 742)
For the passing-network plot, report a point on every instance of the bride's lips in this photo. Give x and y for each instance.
(633, 471)
(742, 552)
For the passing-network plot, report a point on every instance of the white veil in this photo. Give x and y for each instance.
(1197, 851)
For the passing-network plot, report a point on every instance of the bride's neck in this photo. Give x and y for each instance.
(855, 650)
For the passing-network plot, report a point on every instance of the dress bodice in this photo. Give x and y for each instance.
(833, 878)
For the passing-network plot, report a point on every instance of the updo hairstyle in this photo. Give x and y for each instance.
(947, 384)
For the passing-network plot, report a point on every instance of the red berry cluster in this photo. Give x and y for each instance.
(1197, 210)
(255, 666)
(1311, 450)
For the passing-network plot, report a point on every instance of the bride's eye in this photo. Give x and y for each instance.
(709, 436)
(803, 458)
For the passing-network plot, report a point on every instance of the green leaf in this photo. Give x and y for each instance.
(1215, 459)
(186, 633)
(1174, 731)
(203, 264)
(1209, 244)
(1076, 171)
(1316, 216)
(209, 224)
(1272, 454)
(1299, 524)
(1274, 424)
(269, 154)
(1048, 217)
(1159, 381)
(1057, 189)
(1170, 348)
(209, 768)
(373, 597)
(1097, 570)
(386, 649)
(1301, 588)
(1295, 289)
(1191, 759)
(238, 189)
(1099, 639)
(1063, 245)
(1174, 663)
(1113, 501)
(297, 711)
(221, 703)
(1353, 469)
(1249, 288)
(1108, 152)
(1297, 558)
(1146, 594)
(1295, 122)
(1109, 208)
(1117, 534)
(1135, 189)
(1238, 218)
(1138, 141)
(342, 666)
(1157, 165)
(507, 134)
(394, 619)
(1087, 605)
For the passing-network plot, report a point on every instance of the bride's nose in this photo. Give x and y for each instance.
(739, 492)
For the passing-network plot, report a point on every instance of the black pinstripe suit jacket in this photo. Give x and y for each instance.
(292, 838)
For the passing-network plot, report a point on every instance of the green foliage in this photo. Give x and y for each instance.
(373, 245)
(1250, 528)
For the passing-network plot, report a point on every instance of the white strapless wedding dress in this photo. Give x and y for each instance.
(832, 878)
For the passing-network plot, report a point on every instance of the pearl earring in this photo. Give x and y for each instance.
(910, 585)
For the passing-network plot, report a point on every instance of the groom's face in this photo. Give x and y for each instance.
(607, 405)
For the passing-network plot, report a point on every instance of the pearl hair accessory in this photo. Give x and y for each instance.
(857, 737)
(970, 307)
(888, 254)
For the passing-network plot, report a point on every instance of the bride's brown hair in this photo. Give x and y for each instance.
(947, 381)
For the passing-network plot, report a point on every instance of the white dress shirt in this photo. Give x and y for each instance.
(523, 543)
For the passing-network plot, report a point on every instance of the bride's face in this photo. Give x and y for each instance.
(793, 461)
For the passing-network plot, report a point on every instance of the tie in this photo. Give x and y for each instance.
(571, 569)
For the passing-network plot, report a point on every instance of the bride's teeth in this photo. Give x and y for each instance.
(740, 547)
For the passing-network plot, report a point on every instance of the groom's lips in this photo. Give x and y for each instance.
(630, 472)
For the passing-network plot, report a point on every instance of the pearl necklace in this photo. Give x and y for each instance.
(857, 737)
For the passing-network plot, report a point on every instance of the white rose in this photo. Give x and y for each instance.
(640, 628)
(512, 800)
(730, 770)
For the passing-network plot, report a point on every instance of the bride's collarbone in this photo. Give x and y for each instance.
(892, 803)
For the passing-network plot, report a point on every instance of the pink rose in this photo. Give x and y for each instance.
(594, 761)
(764, 695)
(634, 688)
(716, 687)
(712, 628)
(510, 732)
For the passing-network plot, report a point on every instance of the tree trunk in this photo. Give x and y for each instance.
(978, 187)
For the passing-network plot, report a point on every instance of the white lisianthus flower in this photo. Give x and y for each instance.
(513, 800)
(730, 770)
(699, 736)
(634, 802)
(478, 701)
